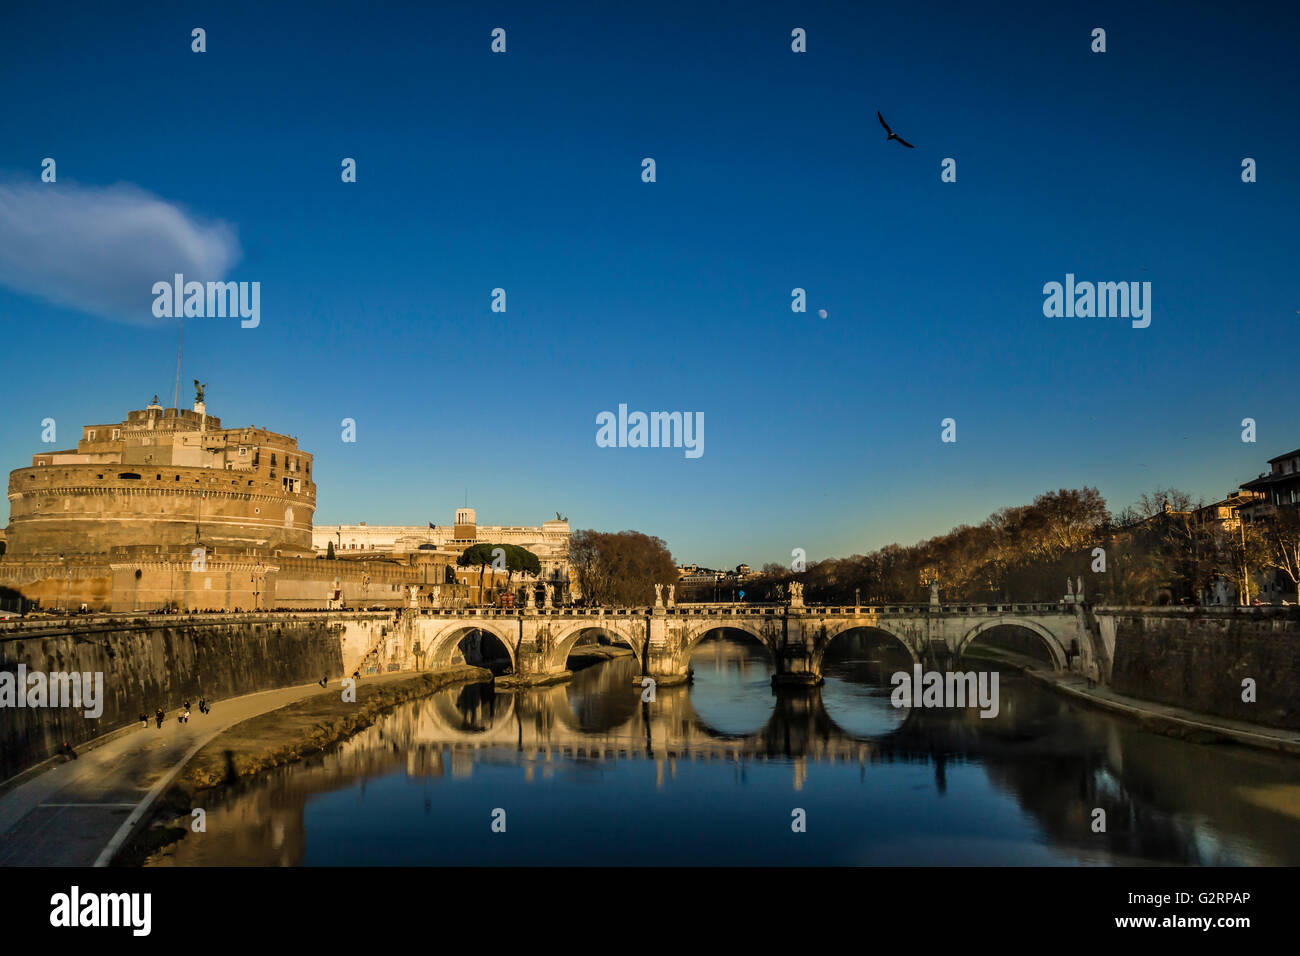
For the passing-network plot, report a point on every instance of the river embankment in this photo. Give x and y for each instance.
(1168, 720)
(286, 735)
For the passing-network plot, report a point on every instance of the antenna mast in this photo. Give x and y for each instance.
(176, 395)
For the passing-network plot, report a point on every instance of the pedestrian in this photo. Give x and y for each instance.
(158, 716)
(67, 749)
(144, 720)
(203, 705)
(322, 681)
(187, 712)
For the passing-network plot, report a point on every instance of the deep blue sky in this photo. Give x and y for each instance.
(522, 171)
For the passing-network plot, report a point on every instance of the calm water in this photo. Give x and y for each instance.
(587, 773)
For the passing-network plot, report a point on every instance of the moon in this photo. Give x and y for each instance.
(821, 313)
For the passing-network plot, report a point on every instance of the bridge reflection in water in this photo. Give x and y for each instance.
(590, 772)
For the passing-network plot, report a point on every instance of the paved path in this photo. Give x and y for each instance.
(74, 813)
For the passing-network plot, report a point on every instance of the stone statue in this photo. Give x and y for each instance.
(530, 596)
(1069, 587)
(198, 392)
(549, 591)
(796, 594)
(659, 595)
(672, 602)
(1079, 592)
(934, 592)
(155, 399)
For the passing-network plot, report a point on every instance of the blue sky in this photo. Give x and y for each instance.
(523, 171)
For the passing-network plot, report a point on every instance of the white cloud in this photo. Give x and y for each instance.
(101, 249)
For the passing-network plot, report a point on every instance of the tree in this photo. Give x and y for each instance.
(1281, 535)
(480, 556)
(1246, 550)
(620, 568)
(329, 552)
(521, 560)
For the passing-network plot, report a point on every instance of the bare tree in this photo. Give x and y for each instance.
(1281, 535)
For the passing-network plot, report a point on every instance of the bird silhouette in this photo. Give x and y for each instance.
(892, 134)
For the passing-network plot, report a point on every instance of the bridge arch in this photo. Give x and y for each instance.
(838, 628)
(1055, 649)
(442, 644)
(695, 634)
(566, 637)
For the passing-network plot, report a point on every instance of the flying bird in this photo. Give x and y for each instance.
(892, 134)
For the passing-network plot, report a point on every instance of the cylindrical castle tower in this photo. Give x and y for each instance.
(164, 477)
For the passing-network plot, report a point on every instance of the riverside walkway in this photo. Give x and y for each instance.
(80, 812)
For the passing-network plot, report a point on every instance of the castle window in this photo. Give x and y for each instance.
(117, 433)
(90, 435)
(129, 474)
(41, 463)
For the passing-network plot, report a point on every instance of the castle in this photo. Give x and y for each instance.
(171, 478)
(168, 510)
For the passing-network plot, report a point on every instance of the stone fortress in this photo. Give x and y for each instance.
(168, 510)
(172, 478)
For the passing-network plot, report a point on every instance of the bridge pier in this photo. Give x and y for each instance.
(796, 663)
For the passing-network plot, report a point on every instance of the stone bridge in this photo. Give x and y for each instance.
(538, 640)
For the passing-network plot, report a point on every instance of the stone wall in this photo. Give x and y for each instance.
(1197, 658)
(153, 665)
(90, 509)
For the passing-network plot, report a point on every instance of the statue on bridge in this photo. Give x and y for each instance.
(547, 590)
(659, 595)
(796, 594)
(530, 595)
(672, 601)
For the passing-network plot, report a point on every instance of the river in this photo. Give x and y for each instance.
(724, 772)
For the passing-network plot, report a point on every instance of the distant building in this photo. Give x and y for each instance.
(695, 583)
(443, 544)
(1277, 488)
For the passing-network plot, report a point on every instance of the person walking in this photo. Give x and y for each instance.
(186, 718)
(158, 716)
(144, 720)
